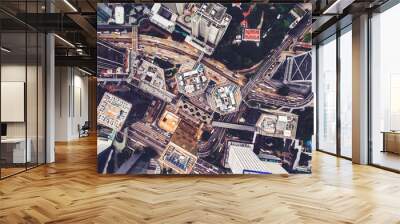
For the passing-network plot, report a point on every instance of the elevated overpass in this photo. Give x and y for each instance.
(240, 127)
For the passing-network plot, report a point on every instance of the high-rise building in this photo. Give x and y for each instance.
(180, 8)
(225, 98)
(163, 17)
(196, 25)
(209, 22)
(242, 160)
(278, 125)
(119, 12)
(103, 12)
(150, 78)
(192, 82)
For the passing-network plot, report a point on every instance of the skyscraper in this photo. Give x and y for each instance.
(210, 22)
(242, 160)
(180, 7)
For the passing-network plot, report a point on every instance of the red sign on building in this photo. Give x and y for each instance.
(251, 35)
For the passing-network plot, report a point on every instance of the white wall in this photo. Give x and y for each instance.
(80, 110)
(62, 82)
(17, 73)
(33, 127)
(14, 73)
(71, 102)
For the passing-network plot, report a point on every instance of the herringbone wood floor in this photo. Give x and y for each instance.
(70, 191)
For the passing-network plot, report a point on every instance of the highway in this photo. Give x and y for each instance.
(279, 101)
(147, 136)
(135, 38)
(109, 56)
(219, 133)
(158, 43)
(203, 167)
(233, 126)
(195, 57)
(250, 87)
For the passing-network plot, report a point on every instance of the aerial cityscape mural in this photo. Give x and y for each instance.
(204, 88)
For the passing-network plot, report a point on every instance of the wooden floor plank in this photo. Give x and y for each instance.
(70, 191)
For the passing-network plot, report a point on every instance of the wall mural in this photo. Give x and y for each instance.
(204, 88)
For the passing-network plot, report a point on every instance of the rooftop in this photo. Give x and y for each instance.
(151, 74)
(192, 82)
(251, 35)
(242, 159)
(178, 159)
(169, 121)
(112, 111)
(225, 99)
(213, 11)
(151, 79)
(280, 125)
